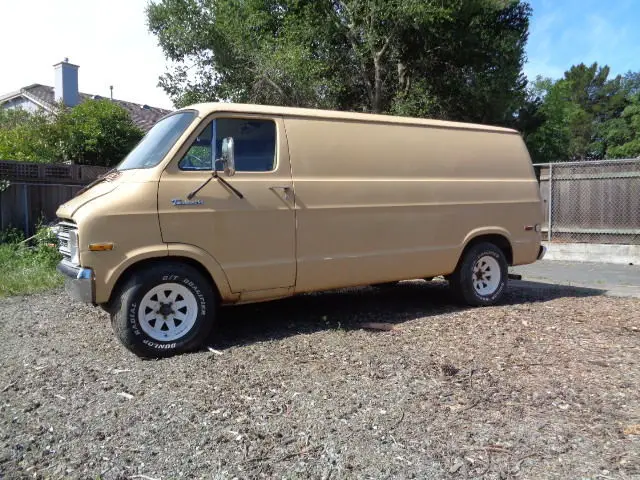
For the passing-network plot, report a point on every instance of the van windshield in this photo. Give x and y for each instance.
(158, 141)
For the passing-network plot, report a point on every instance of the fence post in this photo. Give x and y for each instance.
(550, 201)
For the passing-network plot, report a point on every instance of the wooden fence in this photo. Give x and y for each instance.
(591, 201)
(37, 190)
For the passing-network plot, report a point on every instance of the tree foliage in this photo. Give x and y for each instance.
(449, 59)
(587, 115)
(26, 136)
(95, 132)
(624, 133)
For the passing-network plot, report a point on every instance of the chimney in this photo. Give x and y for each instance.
(66, 85)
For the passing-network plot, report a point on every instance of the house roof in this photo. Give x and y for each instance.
(144, 116)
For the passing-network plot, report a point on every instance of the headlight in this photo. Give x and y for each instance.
(74, 251)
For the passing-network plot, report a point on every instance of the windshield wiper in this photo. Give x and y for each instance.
(219, 178)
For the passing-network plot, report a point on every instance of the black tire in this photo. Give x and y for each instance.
(463, 280)
(125, 310)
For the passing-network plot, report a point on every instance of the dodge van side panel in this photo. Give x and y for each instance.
(252, 238)
(381, 202)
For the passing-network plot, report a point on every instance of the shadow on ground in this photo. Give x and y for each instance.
(348, 308)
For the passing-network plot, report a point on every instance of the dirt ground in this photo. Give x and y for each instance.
(545, 386)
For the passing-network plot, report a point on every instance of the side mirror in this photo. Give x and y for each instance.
(228, 157)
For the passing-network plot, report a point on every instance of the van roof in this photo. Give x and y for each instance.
(207, 108)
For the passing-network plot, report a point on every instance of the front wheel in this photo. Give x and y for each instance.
(163, 310)
(481, 276)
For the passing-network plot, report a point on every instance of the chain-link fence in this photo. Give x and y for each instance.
(591, 201)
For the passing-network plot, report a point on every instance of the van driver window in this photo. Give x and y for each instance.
(254, 145)
(254, 142)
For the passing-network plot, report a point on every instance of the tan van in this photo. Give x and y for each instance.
(225, 203)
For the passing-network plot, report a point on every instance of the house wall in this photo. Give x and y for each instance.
(20, 102)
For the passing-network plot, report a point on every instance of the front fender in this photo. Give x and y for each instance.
(210, 263)
(106, 283)
(108, 273)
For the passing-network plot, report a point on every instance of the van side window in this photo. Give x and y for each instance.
(199, 155)
(254, 145)
(254, 142)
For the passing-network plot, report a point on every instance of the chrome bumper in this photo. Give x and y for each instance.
(542, 252)
(78, 282)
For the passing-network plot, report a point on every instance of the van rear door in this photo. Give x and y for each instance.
(253, 237)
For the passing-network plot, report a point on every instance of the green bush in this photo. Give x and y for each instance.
(11, 235)
(95, 132)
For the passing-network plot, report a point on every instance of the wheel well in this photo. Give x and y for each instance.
(498, 240)
(155, 261)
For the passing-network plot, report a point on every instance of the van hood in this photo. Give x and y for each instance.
(99, 188)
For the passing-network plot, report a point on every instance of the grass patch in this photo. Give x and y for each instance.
(28, 267)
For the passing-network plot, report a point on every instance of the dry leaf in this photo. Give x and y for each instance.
(632, 430)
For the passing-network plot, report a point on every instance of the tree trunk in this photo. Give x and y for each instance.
(376, 106)
(404, 78)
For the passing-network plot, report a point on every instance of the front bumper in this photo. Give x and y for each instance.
(78, 282)
(542, 252)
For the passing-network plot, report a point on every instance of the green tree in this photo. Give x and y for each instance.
(596, 100)
(26, 136)
(95, 132)
(582, 114)
(624, 134)
(550, 141)
(440, 58)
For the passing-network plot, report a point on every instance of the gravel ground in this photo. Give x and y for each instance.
(544, 386)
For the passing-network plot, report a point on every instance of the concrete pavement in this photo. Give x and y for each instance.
(612, 279)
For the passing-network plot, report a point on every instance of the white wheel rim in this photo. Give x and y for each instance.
(486, 275)
(168, 312)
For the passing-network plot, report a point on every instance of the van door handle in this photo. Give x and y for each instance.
(286, 189)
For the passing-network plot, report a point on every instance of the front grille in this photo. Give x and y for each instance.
(64, 230)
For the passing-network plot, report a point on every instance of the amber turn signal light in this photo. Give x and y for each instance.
(100, 247)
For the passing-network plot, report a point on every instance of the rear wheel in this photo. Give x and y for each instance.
(481, 276)
(163, 310)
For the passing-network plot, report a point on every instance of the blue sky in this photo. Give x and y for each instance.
(567, 32)
(110, 42)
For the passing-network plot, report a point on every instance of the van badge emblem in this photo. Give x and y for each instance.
(178, 202)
